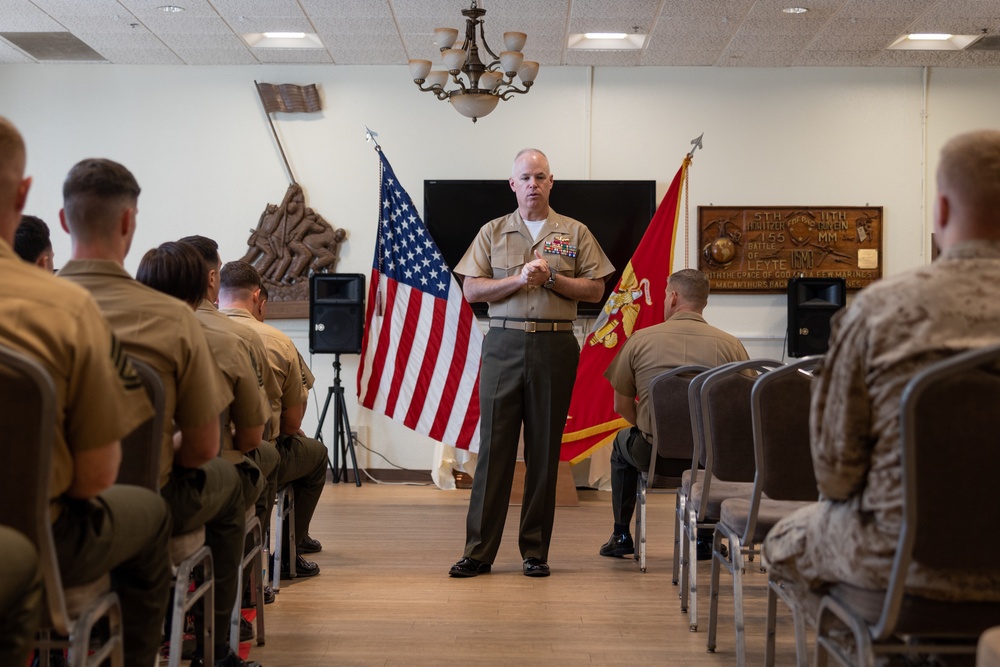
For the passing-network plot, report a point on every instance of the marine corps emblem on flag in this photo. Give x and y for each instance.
(622, 308)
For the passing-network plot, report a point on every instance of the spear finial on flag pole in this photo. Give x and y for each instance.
(696, 143)
(370, 136)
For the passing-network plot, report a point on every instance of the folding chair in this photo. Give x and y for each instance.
(783, 482)
(27, 408)
(948, 438)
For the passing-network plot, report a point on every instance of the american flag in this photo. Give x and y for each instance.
(421, 348)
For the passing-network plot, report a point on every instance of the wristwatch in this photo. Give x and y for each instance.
(550, 283)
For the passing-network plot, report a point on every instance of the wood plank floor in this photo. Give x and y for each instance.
(384, 596)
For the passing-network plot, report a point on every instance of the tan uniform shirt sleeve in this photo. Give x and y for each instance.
(202, 392)
(105, 399)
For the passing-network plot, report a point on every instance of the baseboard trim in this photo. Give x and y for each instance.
(392, 475)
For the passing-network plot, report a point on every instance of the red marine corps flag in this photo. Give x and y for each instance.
(421, 347)
(637, 302)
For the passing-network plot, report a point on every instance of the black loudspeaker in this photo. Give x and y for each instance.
(811, 304)
(336, 313)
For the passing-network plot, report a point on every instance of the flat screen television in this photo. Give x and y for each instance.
(616, 212)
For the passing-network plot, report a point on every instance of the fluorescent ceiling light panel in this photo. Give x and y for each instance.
(933, 42)
(283, 40)
(592, 41)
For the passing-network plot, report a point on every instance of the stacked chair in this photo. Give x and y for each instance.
(27, 410)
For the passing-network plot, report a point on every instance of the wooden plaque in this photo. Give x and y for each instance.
(757, 249)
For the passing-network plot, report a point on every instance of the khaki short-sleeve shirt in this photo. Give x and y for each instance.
(250, 407)
(684, 339)
(163, 332)
(503, 246)
(284, 359)
(99, 398)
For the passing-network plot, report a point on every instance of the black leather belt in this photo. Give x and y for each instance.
(531, 326)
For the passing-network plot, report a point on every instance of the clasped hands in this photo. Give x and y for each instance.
(535, 272)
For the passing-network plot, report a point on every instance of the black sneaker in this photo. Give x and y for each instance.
(618, 546)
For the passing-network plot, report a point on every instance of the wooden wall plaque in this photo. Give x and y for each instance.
(757, 249)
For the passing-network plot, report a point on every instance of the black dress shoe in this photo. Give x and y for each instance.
(704, 550)
(535, 567)
(303, 568)
(469, 567)
(230, 660)
(246, 630)
(309, 546)
(268, 594)
(618, 546)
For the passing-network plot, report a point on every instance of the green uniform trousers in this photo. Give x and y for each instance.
(303, 465)
(211, 495)
(268, 459)
(124, 530)
(20, 596)
(525, 378)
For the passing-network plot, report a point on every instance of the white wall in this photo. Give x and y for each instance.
(200, 147)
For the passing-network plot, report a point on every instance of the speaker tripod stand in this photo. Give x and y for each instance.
(343, 437)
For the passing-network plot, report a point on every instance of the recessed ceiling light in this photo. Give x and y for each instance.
(795, 10)
(170, 9)
(606, 41)
(283, 40)
(933, 42)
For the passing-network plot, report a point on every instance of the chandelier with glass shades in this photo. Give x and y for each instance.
(480, 85)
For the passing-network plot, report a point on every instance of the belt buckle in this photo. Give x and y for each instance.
(530, 327)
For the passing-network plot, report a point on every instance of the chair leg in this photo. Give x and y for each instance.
(736, 553)
(692, 578)
(713, 593)
(640, 523)
(685, 566)
(769, 626)
(677, 536)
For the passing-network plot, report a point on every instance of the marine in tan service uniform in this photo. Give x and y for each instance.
(532, 267)
(97, 527)
(202, 489)
(177, 269)
(683, 338)
(261, 452)
(890, 332)
(303, 460)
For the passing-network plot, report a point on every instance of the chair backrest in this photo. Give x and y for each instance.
(697, 425)
(948, 436)
(671, 412)
(27, 422)
(728, 427)
(779, 406)
(141, 448)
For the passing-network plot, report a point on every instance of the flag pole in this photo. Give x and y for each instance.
(274, 132)
(695, 145)
(370, 136)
